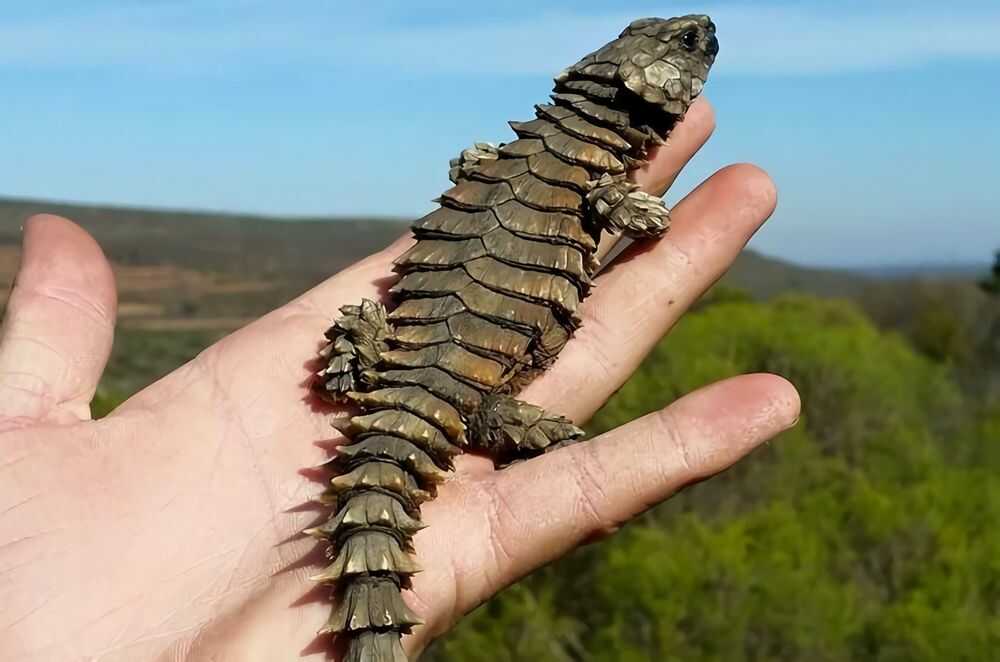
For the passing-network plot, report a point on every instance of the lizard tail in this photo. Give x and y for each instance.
(384, 474)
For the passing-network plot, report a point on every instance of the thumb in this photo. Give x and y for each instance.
(59, 325)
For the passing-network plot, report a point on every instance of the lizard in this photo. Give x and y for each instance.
(484, 301)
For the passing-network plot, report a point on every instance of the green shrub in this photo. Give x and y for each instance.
(868, 532)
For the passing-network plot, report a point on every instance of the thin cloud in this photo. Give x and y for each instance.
(768, 40)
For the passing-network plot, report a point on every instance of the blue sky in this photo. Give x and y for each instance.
(878, 121)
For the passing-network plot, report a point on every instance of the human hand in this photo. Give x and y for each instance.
(167, 530)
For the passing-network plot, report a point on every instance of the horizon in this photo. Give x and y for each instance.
(880, 143)
(877, 269)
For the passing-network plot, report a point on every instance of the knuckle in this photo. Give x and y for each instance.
(678, 443)
(501, 517)
(590, 478)
(79, 302)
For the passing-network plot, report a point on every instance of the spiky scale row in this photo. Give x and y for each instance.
(498, 245)
(416, 400)
(371, 603)
(368, 510)
(486, 299)
(513, 216)
(463, 329)
(435, 380)
(401, 424)
(376, 646)
(409, 456)
(370, 552)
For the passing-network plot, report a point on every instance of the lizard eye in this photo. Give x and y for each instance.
(689, 40)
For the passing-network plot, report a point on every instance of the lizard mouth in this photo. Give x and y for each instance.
(697, 85)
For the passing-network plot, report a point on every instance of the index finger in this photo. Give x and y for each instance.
(666, 161)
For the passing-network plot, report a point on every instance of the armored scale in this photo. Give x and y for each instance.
(485, 301)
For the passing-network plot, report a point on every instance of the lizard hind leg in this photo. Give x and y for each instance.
(510, 430)
(356, 340)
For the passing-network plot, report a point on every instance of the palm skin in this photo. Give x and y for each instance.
(168, 530)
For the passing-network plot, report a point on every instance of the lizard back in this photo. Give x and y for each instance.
(486, 299)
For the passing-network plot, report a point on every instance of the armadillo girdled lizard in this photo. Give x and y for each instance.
(486, 299)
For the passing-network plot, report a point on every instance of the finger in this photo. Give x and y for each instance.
(59, 325)
(546, 507)
(650, 286)
(667, 161)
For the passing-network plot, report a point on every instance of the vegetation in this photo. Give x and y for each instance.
(868, 532)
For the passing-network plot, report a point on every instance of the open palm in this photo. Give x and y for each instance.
(168, 529)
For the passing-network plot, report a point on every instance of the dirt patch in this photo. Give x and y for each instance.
(168, 277)
(134, 309)
(186, 324)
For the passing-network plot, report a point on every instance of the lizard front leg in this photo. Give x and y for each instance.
(464, 164)
(617, 205)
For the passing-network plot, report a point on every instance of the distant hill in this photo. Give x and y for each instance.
(184, 270)
(181, 269)
(950, 271)
(765, 277)
(206, 274)
(256, 245)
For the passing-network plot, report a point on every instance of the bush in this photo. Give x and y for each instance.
(868, 532)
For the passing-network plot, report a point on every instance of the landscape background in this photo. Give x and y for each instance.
(867, 532)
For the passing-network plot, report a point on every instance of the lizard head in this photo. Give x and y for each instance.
(665, 62)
